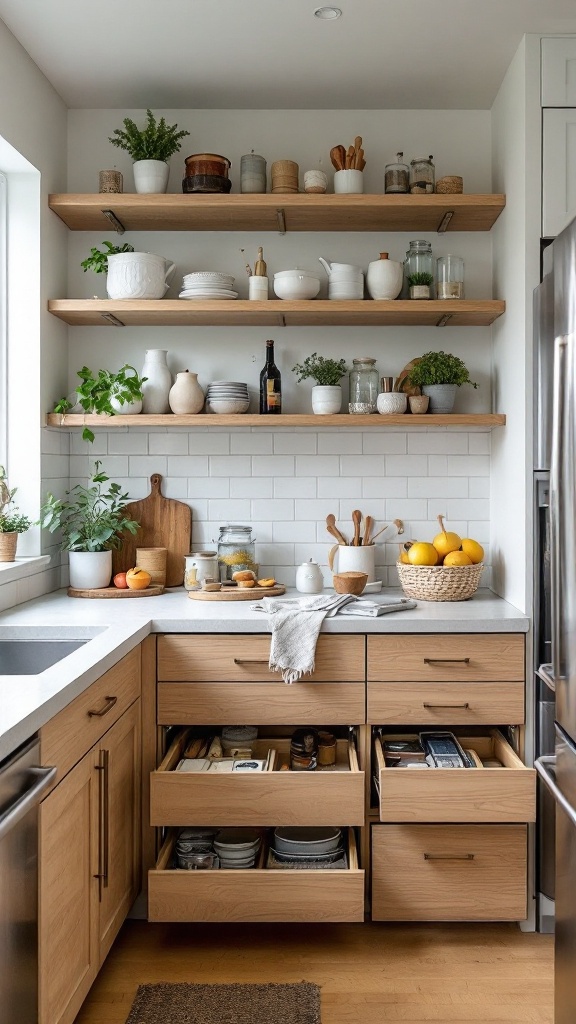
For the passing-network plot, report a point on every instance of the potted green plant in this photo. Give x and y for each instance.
(106, 393)
(91, 520)
(12, 521)
(150, 148)
(420, 285)
(438, 374)
(130, 274)
(327, 394)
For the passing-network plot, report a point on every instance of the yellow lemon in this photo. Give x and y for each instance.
(445, 542)
(422, 553)
(404, 548)
(457, 558)
(473, 549)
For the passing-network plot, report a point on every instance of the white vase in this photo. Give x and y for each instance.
(442, 397)
(186, 396)
(326, 399)
(90, 570)
(384, 278)
(138, 275)
(156, 388)
(151, 175)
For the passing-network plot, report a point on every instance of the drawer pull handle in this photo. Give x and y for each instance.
(464, 706)
(440, 661)
(448, 856)
(110, 702)
(251, 661)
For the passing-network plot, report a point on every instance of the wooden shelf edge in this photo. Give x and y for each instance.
(488, 421)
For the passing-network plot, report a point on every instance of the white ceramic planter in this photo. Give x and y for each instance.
(90, 570)
(442, 397)
(138, 275)
(349, 181)
(150, 176)
(326, 399)
(391, 403)
(128, 409)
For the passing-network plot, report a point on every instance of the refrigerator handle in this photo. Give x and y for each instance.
(541, 765)
(555, 474)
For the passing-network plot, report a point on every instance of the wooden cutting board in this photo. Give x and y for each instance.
(114, 592)
(164, 523)
(234, 594)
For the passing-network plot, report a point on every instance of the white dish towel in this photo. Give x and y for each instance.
(295, 624)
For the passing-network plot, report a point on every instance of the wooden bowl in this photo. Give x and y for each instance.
(350, 582)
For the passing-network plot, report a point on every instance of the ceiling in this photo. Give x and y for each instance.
(266, 54)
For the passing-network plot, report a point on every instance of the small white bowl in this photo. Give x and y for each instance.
(391, 403)
(228, 406)
(296, 284)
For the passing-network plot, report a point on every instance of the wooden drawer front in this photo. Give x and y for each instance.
(460, 794)
(453, 657)
(444, 873)
(231, 658)
(265, 798)
(266, 703)
(257, 894)
(441, 704)
(68, 736)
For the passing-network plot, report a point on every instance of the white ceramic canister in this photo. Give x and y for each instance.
(309, 578)
(186, 397)
(156, 388)
(346, 558)
(257, 288)
(384, 278)
(200, 565)
(138, 275)
(150, 176)
(252, 173)
(350, 181)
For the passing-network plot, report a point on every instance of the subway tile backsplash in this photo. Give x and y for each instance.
(284, 483)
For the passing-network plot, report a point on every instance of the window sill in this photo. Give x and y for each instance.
(22, 567)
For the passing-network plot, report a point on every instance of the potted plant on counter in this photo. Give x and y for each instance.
(106, 393)
(12, 521)
(438, 374)
(327, 394)
(150, 148)
(91, 520)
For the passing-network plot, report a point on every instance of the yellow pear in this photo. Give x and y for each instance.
(403, 556)
(445, 542)
(457, 558)
(422, 553)
(473, 549)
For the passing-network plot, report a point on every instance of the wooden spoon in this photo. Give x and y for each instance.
(368, 527)
(333, 529)
(336, 158)
(356, 519)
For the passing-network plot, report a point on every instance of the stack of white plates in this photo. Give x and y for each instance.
(227, 396)
(237, 847)
(207, 284)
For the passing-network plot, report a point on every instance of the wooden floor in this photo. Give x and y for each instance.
(368, 973)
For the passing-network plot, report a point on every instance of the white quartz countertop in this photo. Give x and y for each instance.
(114, 627)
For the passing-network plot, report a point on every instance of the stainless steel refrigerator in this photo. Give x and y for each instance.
(559, 771)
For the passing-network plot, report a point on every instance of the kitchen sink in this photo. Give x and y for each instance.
(30, 657)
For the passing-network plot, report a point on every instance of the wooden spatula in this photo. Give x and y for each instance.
(368, 527)
(356, 519)
(333, 529)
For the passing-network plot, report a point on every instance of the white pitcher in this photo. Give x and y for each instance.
(138, 275)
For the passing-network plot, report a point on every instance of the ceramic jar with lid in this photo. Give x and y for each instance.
(384, 278)
(199, 565)
(186, 397)
(252, 173)
(236, 550)
(364, 385)
(309, 579)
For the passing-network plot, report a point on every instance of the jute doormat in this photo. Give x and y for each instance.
(226, 1004)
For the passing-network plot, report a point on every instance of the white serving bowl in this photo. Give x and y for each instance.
(229, 406)
(296, 284)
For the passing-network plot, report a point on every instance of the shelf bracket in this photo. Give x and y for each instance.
(280, 214)
(281, 320)
(116, 224)
(444, 319)
(445, 222)
(112, 319)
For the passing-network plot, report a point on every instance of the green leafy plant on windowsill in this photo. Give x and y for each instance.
(98, 260)
(95, 393)
(91, 518)
(12, 519)
(326, 372)
(157, 141)
(439, 368)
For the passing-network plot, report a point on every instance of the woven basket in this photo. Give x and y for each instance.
(451, 184)
(439, 582)
(8, 542)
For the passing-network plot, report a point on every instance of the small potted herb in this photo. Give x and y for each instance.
(12, 521)
(327, 394)
(150, 148)
(91, 520)
(438, 374)
(420, 285)
(106, 393)
(98, 259)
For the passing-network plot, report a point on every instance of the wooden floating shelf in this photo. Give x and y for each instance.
(485, 421)
(302, 212)
(277, 313)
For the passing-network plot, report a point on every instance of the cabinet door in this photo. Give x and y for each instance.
(559, 71)
(558, 170)
(68, 894)
(118, 759)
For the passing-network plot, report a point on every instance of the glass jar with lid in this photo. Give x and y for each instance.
(450, 277)
(236, 550)
(422, 176)
(397, 176)
(419, 267)
(364, 381)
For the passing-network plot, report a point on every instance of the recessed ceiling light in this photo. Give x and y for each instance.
(327, 13)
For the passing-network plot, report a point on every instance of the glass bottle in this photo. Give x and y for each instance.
(397, 176)
(450, 277)
(236, 550)
(422, 176)
(270, 384)
(364, 382)
(419, 261)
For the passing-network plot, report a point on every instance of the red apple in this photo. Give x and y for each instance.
(120, 581)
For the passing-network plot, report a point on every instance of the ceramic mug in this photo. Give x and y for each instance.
(346, 558)
(138, 275)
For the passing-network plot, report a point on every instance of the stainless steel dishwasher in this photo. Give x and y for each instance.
(22, 783)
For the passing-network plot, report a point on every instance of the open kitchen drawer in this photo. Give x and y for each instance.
(271, 797)
(506, 794)
(256, 894)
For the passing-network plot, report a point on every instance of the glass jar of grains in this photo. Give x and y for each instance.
(364, 382)
(236, 550)
(422, 176)
(397, 176)
(450, 277)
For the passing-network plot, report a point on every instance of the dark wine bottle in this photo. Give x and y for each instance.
(270, 384)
